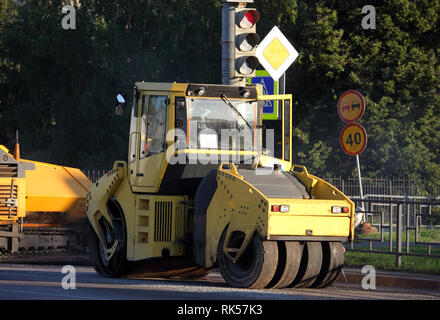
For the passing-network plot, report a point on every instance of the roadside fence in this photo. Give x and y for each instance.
(407, 226)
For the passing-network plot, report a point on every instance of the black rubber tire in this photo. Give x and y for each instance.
(333, 261)
(117, 265)
(289, 260)
(255, 268)
(310, 267)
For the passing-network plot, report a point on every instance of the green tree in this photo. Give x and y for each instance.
(395, 67)
(57, 86)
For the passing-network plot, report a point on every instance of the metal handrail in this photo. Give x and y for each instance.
(403, 210)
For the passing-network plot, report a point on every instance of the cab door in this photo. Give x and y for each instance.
(134, 138)
(152, 151)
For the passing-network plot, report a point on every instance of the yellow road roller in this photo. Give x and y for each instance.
(208, 183)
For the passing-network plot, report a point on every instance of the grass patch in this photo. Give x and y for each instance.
(429, 235)
(425, 235)
(388, 262)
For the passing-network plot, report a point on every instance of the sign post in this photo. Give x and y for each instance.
(353, 137)
(353, 140)
(275, 53)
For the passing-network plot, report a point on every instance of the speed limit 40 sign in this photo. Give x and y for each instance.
(353, 139)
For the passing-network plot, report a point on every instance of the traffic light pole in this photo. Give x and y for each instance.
(228, 42)
(228, 16)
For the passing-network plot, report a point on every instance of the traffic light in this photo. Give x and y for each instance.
(246, 41)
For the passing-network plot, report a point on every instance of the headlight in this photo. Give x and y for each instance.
(340, 209)
(280, 208)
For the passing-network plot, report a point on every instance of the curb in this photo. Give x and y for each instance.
(392, 279)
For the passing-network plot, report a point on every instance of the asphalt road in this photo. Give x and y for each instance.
(27, 282)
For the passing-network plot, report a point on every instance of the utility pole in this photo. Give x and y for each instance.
(228, 68)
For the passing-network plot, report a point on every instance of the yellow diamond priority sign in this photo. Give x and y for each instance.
(276, 53)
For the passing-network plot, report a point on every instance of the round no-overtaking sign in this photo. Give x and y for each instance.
(351, 106)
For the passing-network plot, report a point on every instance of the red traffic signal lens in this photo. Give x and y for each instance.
(249, 19)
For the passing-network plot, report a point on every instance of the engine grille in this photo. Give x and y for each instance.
(5, 193)
(163, 215)
(8, 170)
(179, 233)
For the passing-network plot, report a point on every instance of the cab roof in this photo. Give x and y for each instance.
(201, 89)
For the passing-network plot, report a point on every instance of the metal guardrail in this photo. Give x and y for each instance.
(94, 174)
(383, 186)
(398, 215)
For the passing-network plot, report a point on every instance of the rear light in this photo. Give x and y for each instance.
(340, 209)
(280, 208)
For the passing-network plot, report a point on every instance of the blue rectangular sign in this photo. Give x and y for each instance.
(270, 87)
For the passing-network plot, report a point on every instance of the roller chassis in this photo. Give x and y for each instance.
(263, 261)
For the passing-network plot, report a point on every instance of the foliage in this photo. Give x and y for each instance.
(395, 67)
(57, 86)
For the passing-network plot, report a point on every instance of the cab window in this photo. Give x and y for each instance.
(154, 122)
